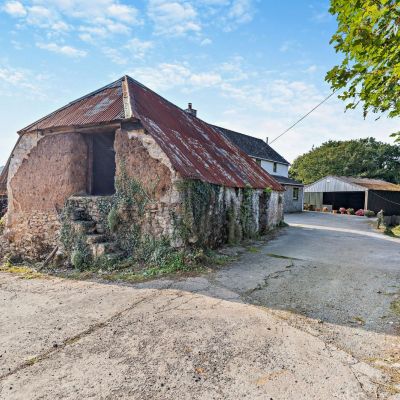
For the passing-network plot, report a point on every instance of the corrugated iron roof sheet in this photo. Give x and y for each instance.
(195, 148)
(373, 184)
(103, 105)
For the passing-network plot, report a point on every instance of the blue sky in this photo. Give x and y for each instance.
(254, 66)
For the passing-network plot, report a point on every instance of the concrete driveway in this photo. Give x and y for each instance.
(312, 314)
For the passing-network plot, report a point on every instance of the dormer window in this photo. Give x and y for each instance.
(275, 167)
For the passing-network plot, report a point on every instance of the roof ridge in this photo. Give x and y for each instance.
(112, 84)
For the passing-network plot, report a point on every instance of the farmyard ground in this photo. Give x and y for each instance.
(310, 315)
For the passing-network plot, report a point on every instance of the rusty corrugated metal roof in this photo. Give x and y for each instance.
(372, 184)
(195, 148)
(103, 105)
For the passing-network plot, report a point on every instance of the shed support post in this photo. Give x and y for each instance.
(366, 200)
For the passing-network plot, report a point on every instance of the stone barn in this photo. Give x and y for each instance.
(123, 166)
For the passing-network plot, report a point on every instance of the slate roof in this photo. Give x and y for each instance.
(195, 148)
(373, 184)
(254, 147)
(283, 180)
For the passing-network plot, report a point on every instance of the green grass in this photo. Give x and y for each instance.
(22, 271)
(253, 249)
(395, 307)
(392, 231)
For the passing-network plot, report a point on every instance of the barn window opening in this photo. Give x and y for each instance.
(295, 194)
(275, 167)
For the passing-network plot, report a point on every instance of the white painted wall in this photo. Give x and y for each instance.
(282, 169)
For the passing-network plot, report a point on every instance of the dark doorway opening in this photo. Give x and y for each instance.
(344, 199)
(101, 164)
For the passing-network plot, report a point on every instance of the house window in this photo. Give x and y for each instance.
(258, 161)
(295, 193)
(275, 167)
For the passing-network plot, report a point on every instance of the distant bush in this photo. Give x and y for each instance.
(350, 211)
(360, 212)
(342, 210)
(369, 214)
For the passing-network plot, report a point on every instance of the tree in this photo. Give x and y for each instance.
(368, 35)
(366, 158)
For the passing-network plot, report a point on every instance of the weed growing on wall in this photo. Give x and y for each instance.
(246, 213)
(198, 199)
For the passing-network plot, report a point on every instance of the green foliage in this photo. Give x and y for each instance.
(362, 157)
(268, 191)
(113, 219)
(2, 225)
(198, 197)
(246, 213)
(129, 192)
(80, 255)
(368, 36)
(350, 211)
(369, 214)
(67, 234)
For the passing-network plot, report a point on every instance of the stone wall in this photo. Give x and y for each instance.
(230, 214)
(44, 172)
(291, 205)
(47, 170)
(146, 163)
(275, 210)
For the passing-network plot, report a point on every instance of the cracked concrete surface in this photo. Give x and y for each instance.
(316, 325)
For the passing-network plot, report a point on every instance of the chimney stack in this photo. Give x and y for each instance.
(190, 110)
(266, 140)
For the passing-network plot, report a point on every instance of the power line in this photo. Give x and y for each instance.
(304, 116)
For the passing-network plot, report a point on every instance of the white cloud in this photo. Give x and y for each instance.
(241, 11)
(205, 42)
(109, 16)
(134, 49)
(122, 12)
(65, 50)
(12, 78)
(289, 45)
(173, 18)
(15, 9)
(311, 69)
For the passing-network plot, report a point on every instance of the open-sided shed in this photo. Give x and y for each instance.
(357, 193)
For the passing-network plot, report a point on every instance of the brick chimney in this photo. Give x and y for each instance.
(190, 110)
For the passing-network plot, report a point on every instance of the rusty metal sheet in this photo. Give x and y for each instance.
(195, 148)
(103, 105)
(373, 184)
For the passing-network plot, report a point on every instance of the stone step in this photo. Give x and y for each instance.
(101, 249)
(82, 226)
(95, 238)
(78, 214)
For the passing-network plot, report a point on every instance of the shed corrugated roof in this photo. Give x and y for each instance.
(373, 184)
(253, 146)
(196, 149)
